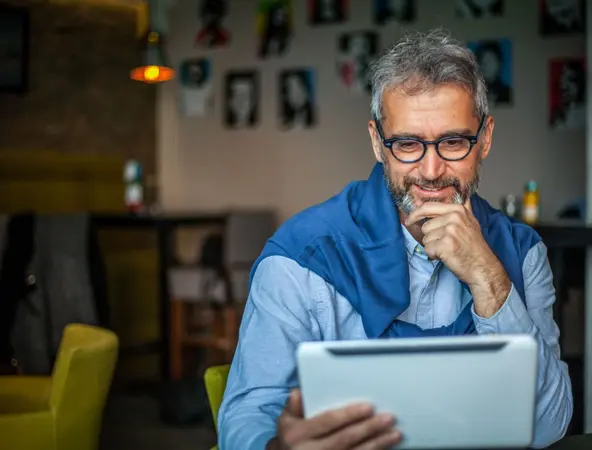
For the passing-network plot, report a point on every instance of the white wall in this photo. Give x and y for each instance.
(206, 166)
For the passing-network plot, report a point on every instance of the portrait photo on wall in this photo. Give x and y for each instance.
(195, 87)
(495, 60)
(241, 93)
(356, 51)
(479, 9)
(324, 12)
(274, 27)
(401, 11)
(297, 102)
(212, 31)
(567, 93)
(561, 17)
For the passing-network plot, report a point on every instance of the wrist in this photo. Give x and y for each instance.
(490, 290)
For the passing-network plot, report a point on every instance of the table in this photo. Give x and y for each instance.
(163, 226)
(560, 236)
(579, 442)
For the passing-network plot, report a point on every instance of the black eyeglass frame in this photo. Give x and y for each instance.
(388, 143)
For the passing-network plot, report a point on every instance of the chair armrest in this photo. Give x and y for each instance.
(30, 431)
(21, 394)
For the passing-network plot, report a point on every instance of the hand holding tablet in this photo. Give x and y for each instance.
(355, 426)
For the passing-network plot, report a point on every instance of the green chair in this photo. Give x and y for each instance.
(215, 380)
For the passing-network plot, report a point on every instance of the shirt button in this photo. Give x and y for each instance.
(31, 280)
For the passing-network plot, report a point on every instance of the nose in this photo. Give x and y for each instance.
(431, 166)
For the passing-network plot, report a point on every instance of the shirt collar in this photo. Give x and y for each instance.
(413, 247)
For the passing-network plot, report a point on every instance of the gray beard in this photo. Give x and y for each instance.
(404, 201)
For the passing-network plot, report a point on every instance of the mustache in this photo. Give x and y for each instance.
(440, 183)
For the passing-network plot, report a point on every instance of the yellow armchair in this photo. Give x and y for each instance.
(64, 411)
(215, 380)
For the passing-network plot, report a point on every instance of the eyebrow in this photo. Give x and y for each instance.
(447, 133)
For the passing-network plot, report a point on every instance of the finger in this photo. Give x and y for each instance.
(429, 210)
(434, 249)
(434, 235)
(383, 442)
(358, 433)
(435, 223)
(331, 421)
(294, 406)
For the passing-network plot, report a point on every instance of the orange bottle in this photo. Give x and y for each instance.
(530, 203)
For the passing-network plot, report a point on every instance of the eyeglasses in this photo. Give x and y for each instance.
(450, 148)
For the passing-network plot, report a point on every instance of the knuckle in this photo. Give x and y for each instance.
(450, 228)
(291, 436)
(449, 242)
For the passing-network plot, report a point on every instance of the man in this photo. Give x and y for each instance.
(491, 62)
(357, 51)
(562, 17)
(570, 112)
(276, 31)
(241, 104)
(297, 107)
(212, 32)
(366, 263)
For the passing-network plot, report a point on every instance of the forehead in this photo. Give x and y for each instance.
(446, 106)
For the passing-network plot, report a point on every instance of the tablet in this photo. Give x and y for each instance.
(446, 392)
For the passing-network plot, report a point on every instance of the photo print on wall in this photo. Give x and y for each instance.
(479, 9)
(324, 12)
(567, 93)
(297, 100)
(212, 32)
(356, 51)
(274, 27)
(562, 17)
(401, 11)
(241, 106)
(195, 87)
(495, 59)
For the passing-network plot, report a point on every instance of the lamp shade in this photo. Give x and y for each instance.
(154, 67)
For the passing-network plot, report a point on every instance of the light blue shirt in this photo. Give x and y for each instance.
(289, 304)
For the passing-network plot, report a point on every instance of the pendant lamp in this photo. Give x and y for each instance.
(154, 67)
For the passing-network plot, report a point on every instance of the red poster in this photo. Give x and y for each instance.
(567, 93)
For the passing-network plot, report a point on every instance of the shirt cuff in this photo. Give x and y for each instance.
(511, 318)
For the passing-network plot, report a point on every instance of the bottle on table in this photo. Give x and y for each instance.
(530, 203)
(509, 206)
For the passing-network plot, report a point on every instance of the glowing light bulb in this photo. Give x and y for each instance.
(151, 73)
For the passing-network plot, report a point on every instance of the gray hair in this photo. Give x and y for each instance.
(421, 61)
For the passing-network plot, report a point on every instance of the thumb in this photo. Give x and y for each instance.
(294, 405)
(468, 204)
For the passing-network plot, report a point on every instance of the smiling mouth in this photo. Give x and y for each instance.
(431, 189)
(433, 194)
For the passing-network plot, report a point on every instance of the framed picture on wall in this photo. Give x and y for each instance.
(297, 102)
(242, 97)
(14, 49)
(562, 17)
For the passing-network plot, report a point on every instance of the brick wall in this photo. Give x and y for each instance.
(80, 97)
